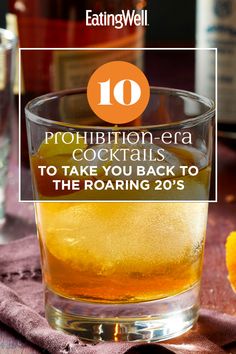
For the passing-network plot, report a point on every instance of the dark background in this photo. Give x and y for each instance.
(171, 21)
(3, 9)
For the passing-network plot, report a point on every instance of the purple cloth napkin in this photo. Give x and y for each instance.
(21, 308)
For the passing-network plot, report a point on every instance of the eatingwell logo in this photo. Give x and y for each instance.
(120, 20)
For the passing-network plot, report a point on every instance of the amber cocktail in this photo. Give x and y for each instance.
(129, 269)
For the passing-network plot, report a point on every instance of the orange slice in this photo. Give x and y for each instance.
(54, 153)
(55, 146)
(231, 258)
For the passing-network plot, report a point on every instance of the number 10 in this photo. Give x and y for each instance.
(118, 92)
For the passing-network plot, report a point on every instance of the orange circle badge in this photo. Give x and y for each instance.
(118, 92)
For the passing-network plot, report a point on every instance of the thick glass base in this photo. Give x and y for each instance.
(148, 321)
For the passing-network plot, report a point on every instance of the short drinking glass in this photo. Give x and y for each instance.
(7, 50)
(127, 270)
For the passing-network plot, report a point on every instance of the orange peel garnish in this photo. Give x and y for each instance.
(56, 147)
(231, 259)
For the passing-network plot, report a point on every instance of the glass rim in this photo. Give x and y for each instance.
(185, 123)
(10, 37)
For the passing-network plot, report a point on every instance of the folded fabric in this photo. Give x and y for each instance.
(21, 308)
